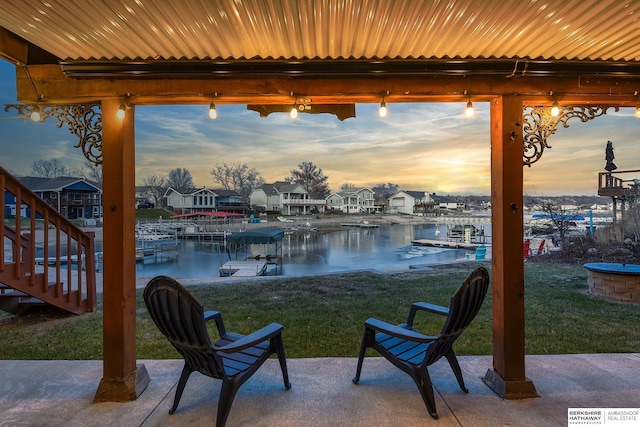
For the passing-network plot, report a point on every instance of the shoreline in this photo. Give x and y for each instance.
(328, 224)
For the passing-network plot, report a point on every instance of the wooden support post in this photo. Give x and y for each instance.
(614, 223)
(507, 378)
(122, 381)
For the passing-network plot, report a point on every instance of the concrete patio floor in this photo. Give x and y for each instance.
(60, 393)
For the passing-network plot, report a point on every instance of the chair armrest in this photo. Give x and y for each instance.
(425, 306)
(252, 339)
(397, 331)
(217, 316)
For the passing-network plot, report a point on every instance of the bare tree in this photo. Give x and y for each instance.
(156, 186)
(561, 219)
(311, 178)
(89, 171)
(237, 177)
(180, 179)
(383, 191)
(48, 168)
(347, 187)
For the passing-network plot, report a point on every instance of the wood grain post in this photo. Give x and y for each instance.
(122, 380)
(507, 378)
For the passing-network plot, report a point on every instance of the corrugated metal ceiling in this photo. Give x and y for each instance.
(606, 30)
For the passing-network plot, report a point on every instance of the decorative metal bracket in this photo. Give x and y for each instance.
(539, 125)
(83, 120)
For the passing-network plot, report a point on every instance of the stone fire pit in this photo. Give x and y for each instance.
(614, 282)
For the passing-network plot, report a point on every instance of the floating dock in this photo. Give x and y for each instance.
(445, 244)
(155, 244)
(360, 225)
(246, 268)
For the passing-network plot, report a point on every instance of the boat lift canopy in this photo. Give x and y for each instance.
(265, 236)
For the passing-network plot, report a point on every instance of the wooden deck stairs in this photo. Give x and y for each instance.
(30, 224)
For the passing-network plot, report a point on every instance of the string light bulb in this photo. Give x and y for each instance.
(213, 114)
(36, 115)
(637, 114)
(294, 112)
(382, 112)
(555, 109)
(469, 111)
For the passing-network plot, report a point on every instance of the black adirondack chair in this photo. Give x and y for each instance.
(413, 352)
(233, 358)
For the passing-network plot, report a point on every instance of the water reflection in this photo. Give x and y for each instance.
(385, 248)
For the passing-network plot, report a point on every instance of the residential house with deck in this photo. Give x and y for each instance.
(286, 198)
(409, 202)
(448, 203)
(75, 198)
(351, 202)
(204, 200)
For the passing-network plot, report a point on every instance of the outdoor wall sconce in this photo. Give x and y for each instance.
(123, 108)
(121, 111)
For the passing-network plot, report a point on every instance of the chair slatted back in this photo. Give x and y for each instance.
(465, 304)
(180, 317)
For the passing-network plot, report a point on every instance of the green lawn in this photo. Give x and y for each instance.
(323, 316)
(151, 214)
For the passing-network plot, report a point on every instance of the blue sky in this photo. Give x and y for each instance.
(429, 147)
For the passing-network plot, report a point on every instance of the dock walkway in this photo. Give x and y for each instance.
(360, 224)
(445, 244)
(246, 268)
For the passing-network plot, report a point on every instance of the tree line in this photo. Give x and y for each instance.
(235, 176)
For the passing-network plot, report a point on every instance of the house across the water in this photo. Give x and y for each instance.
(73, 197)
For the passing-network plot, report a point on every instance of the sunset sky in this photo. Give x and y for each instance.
(426, 147)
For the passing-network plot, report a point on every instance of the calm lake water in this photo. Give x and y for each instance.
(385, 248)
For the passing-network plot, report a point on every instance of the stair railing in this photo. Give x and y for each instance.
(51, 277)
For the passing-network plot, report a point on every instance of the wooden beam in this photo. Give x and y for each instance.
(507, 378)
(18, 51)
(122, 381)
(54, 87)
(13, 48)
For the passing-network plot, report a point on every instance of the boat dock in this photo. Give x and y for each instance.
(459, 236)
(364, 224)
(246, 268)
(155, 244)
(155, 250)
(445, 244)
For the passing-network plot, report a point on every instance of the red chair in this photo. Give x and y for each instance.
(540, 248)
(526, 248)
